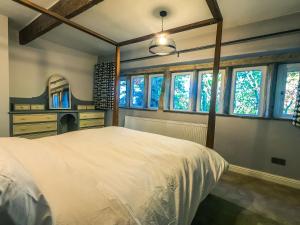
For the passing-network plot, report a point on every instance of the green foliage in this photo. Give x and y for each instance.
(156, 85)
(290, 97)
(205, 94)
(122, 96)
(247, 92)
(138, 91)
(181, 99)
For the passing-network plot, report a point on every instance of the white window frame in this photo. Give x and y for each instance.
(191, 73)
(123, 79)
(131, 91)
(282, 72)
(221, 103)
(263, 92)
(150, 87)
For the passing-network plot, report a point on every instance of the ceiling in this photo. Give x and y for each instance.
(126, 19)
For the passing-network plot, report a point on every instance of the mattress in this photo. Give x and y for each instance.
(112, 176)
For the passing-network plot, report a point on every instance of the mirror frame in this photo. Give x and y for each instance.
(49, 94)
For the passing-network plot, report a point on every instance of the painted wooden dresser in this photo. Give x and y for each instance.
(28, 122)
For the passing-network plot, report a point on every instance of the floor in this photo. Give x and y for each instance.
(242, 200)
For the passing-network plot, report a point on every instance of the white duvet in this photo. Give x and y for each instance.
(109, 176)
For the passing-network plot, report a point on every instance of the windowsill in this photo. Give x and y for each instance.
(206, 114)
(141, 109)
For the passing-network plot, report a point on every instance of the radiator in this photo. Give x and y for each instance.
(187, 131)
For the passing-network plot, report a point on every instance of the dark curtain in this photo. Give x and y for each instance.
(296, 118)
(104, 85)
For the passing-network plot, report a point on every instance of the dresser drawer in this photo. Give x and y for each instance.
(90, 107)
(91, 115)
(39, 135)
(81, 107)
(37, 107)
(22, 107)
(30, 118)
(91, 123)
(34, 128)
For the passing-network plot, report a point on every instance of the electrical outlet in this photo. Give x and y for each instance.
(278, 161)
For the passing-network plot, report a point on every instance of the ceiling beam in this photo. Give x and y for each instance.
(214, 9)
(191, 26)
(45, 23)
(62, 19)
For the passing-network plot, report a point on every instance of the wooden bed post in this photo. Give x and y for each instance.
(116, 91)
(212, 110)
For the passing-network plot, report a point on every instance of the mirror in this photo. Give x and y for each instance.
(59, 93)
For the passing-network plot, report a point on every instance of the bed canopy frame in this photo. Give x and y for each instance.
(216, 19)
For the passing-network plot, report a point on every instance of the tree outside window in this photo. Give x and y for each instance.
(290, 95)
(181, 95)
(205, 91)
(155, 92)
(138, 85)
(247, 92)
(122, 95)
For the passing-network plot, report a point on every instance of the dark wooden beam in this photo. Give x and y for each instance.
(116, 90)
(214, 9)
(212, 111)
(62, 19)
(45, 23)
(171, 31)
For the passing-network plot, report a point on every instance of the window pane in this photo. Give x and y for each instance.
(290, 96)
(156, 84)
(122, 97)
(181, 98)
(205, 94)
(247, 92)
(138, 84)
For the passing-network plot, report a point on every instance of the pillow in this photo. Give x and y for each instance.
(21, 202)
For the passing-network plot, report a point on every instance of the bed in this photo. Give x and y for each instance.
(111, 176)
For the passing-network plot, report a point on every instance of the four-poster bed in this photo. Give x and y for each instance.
(112, 175)
(217, 19)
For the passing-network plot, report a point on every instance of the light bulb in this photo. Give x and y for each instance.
(162, 39)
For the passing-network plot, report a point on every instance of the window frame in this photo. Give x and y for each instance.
(199, 77)
(131, 92)
(173, 75)
(263, 92)
(282, 73)
(150, 76)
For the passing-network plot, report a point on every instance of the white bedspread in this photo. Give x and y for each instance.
(117, 176)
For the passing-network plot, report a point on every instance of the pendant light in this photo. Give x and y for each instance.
(162, 44)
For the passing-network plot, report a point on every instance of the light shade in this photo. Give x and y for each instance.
(162, 44)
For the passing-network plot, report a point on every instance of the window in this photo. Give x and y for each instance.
(204, 91)
(137, 91)
(123, 93)
(286, 90)
(155, 85)
(181, 91)
(248, 92)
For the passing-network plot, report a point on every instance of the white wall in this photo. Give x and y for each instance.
(4, 77)
(31, 65)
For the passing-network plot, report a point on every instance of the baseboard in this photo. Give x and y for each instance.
(266, 176)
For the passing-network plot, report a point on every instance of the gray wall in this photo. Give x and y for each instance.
(31, 66)
(244, 142)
